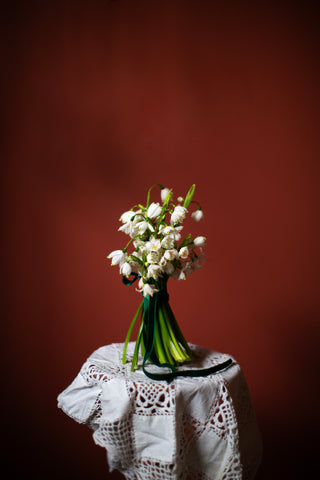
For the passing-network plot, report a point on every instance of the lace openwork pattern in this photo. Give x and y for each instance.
(190, 429)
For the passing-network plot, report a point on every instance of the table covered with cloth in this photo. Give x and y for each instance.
(193, 428)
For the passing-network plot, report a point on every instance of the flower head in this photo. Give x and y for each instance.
(153, 252)
(178, 214)
(126, 269)
(197, 215)
(148, 289)
(154, 210)
(184, 252)
(118, 257)
(199, 241)
(154, 271)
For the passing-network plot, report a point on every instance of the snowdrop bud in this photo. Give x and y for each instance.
(164, 193)
(154, 210)
(197, 215)
(184, 252)
(180, 199)
(199, 241)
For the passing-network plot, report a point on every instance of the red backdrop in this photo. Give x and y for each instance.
(104, 99)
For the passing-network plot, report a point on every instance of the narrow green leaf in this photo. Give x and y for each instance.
(189, 196)
(124, 356)
(185, 241)
(136, 259)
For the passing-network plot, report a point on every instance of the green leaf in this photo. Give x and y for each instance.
(136, 259)
(189, 196)
(164, 208)
(185, 241)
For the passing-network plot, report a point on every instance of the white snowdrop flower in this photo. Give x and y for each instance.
(149, 290)
(139, 244)
(154, 271)
(178, 214)
(199, 241)
(126, 269)
(175, 231)
(126, 216)
(182, 275)
(180, 199)
(168, 242)
(184, 252)
(171, 254)
(154, 257)
(168, 268)
(118, 257)
(154, 210)
(162, 261)
(140, 285)
(126, 228)
(197, 215)
(153, 245)
(142, 227)
(167, 230)
(164, 193)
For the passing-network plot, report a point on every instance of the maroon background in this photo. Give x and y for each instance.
(100, 101)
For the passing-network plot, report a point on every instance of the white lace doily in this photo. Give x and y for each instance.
(199, 428)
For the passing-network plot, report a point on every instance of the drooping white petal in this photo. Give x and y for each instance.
(126, 216)
(197, 215)
(182, 275)
(142, 227)
(149, 290)
(126, 269)
(117, 256)
(184, 252)
(178, 214)
(171, 254)
(199, 241)
(154, 210)
(168, 242)
(154, 271)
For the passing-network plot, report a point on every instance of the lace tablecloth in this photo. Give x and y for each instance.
(191, 429)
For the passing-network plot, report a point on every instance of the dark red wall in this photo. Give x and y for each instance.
(102, 100)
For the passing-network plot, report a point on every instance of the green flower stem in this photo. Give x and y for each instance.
(124, 356)
(177, 330)
(167, 346)
(137, 346)
(158, 344)
(174, 340)
(165, 334)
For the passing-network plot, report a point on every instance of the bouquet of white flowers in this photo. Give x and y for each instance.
(158, 252)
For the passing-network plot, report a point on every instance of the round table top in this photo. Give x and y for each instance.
(203, 427)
